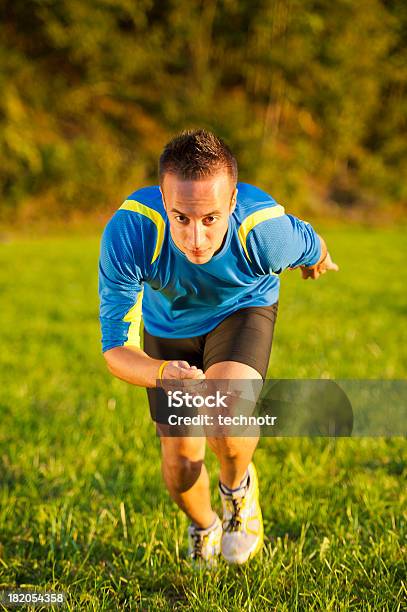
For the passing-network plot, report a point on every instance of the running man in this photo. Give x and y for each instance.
(200, 256)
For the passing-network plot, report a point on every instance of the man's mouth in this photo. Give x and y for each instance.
(198, 252)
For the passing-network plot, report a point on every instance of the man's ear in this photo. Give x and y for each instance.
(162, 197)
(233, 201)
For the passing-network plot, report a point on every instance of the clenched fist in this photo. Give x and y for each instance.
(180, 373)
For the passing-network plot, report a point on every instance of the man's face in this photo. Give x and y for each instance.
(198, 213)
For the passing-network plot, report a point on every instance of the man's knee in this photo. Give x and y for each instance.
(232, 370)
(229, 448)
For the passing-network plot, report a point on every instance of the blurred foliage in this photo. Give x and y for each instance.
(308, 93)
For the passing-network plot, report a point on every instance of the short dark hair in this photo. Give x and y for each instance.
(196, 154)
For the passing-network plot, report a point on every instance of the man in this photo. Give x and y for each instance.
(206, 253)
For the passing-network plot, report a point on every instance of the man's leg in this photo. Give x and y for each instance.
(242, 523)
(239, 349)
(182, 466)
(234, 453)
(186, 477)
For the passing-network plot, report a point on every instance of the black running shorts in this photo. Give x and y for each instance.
(245, 336)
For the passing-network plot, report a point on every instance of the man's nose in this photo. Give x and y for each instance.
(197, 235)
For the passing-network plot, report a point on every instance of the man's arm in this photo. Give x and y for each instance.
(121, 273)
(286, 242)
(133, 365)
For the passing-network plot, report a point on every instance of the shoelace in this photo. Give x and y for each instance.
(198, 544)
(235, 522)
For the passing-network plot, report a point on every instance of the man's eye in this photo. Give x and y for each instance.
(181, 219)
(210, 220)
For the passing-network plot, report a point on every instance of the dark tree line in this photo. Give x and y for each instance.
(309, 94)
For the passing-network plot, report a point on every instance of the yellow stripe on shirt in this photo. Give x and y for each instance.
(254, 219)
(133, 317)
(151, 214)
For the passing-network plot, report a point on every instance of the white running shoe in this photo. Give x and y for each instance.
(204, 544)
(242, 521)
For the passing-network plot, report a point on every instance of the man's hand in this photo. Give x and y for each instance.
(180, 373)
(319, 268)
(180, 370)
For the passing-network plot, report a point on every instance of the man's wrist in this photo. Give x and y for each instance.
(324, 251)
(321, 261)
(161, 371)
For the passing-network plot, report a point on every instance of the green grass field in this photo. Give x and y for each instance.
(82, 506)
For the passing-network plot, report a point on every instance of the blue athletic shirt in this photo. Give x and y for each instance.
(141, 269)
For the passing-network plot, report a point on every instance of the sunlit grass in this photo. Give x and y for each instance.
(83, 508)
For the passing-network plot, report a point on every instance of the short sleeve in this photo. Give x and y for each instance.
(283, 242)
(120, 283)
